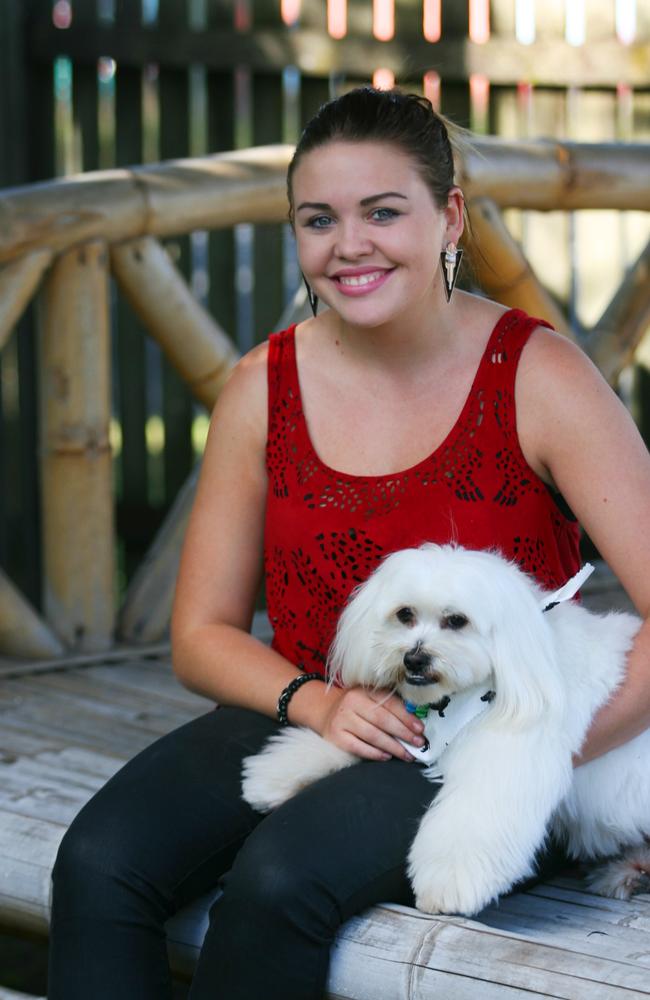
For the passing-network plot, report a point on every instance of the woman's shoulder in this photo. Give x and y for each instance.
(243, 400)
(561, 396)
(551, 360)
(249, 374)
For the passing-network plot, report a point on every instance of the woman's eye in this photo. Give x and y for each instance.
(384, 214)
(319, 222)
(454, 622)
(406, 616)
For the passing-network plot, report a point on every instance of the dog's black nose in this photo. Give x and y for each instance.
(417, 660)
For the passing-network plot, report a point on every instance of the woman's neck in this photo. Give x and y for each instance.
(419, 338)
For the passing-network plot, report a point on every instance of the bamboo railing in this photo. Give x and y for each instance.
(65, 237)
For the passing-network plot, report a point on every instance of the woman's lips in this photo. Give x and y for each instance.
(361, 283)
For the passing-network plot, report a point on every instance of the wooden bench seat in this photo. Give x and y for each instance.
(65, 728)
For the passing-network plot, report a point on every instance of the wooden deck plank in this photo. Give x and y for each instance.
(73, 719)
(613, 910)
(45, 794)
(113, 687)
(87, 734)
(555, 898)
(452, 952)
(28, 849)
(143, 677)
(66, 728)
(551, 922)
(87, 694)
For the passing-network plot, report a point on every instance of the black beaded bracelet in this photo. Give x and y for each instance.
(288, 693)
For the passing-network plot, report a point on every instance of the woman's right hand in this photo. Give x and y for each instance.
(368, 724)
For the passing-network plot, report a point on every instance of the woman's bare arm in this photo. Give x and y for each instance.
(219, 578)
(577, 435)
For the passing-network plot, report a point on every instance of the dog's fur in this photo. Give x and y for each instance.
(477, 622)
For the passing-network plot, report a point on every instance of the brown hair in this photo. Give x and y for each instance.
(408, 121)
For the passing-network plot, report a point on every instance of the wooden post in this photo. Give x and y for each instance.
(624, 322)
(502, 269)
(76, 472)
(147, 607)
(18, 282)
(194, 343)
(22, 631)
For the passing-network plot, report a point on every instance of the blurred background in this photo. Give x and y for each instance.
(89, 85)
(98, 84)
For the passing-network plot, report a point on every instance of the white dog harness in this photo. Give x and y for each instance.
(570, 588)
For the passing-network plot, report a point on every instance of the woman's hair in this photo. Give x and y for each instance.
(407, 121)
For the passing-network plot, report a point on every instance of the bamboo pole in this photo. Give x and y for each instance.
(502, 270)
(59, 214)
(551, 176)
(23, 633)
(18, 282)
(173, 197)
(216, 191)
(192, 340)
(145, 614)
(249, 186)
(622, 326)
(77, 507)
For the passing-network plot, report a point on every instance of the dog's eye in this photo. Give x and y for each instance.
(454, 622)
(406, 616)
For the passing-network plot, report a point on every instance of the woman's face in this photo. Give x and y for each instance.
(368, 232)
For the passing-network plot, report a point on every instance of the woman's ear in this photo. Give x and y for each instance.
(454, 213)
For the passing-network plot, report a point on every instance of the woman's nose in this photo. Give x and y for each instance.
(351, 240)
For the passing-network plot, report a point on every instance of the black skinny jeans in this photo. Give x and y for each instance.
(171, 825)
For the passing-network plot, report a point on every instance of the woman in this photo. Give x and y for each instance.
(397, 415)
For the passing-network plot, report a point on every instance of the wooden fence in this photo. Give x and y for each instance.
(67, 237)
(90, 84)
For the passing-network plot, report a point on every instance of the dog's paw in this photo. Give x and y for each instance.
(624, 877)
(449, 871)
(449, 891)
(289, 762)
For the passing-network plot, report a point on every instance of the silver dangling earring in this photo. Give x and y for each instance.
(450, 262)
(313, 299)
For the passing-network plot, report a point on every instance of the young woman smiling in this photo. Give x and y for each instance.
(394, 416)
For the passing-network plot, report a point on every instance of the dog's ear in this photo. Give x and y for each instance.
(527, 674)
(351, 653)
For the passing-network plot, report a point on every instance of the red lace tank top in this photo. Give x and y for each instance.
(326, 531)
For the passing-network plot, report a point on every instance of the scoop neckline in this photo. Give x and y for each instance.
(387, 476)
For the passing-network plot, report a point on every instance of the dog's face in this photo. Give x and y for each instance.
(423, 622)
(430, 648)
(437, 620)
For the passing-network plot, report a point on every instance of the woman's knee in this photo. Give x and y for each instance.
(272, 883)
(101, 868)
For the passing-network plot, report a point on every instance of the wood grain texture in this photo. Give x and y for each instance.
(66, 729)
(76, 463)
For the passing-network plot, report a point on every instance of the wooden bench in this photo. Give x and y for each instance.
(66, 727)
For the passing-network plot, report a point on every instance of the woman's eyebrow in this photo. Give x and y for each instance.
(322, 206)
(379, 197)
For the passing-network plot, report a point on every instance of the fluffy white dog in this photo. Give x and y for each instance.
(513, 687)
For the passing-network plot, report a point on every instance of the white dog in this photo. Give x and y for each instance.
(471, 634)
